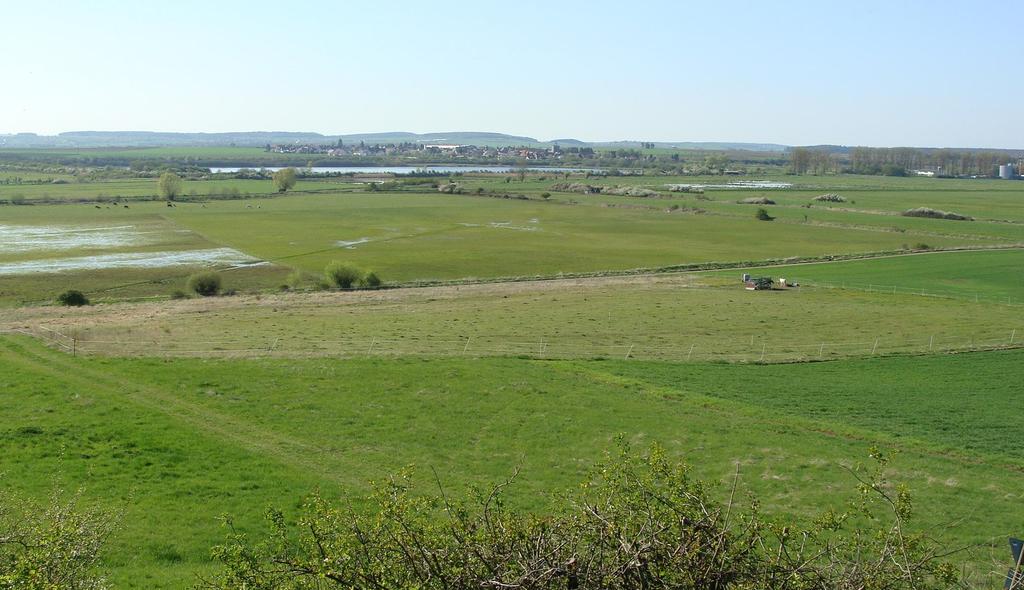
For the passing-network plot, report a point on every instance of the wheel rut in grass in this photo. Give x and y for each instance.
(259, 441)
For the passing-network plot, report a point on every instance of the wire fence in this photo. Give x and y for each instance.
(996, 298)
(677, 348)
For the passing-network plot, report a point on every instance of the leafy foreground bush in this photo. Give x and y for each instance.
(206, 284)
(637, 522)
(53, 546)
(72, 298)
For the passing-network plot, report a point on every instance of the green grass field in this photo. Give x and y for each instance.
(177, 443)
(180, 411)
(993, 276)
(676, 318)
(108, 191)
(407, 237)
(444, 237)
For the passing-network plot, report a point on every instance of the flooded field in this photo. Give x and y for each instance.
(34, 249)
(15, 239)
(209, 257)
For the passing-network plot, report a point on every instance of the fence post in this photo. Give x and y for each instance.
(628, 352)
(875, 347)
(821, 350)
(1012, 334)
(931, 341)
(691, 351)
(372, 342)
(764, 345)
(466, 347)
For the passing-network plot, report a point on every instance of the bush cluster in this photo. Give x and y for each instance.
(72, 298)
(206, 284)
(935, 214)
(345, 276)
(830, 198)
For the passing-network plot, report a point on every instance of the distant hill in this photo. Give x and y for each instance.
(142, 139)
(102, 139)
(448, 137)
(109, 139)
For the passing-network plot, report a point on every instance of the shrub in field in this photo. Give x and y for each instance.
(204, 283)
(935, 214)
(169, 185)
(284, 179)
(450, 188)
(756, 201)
(72, 298)
(575, 187)
(295, 279)
(830, 198)
(637, 522)
(341, 275)
(629, 191)
(371, 280)
(762, 214)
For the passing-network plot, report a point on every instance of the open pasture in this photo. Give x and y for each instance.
(992, 276)
(416, 235)
(408, 237)
(871, 202)
(108, 191)
(110, 253)
(177, 443)
(669, 317)
(180, 411)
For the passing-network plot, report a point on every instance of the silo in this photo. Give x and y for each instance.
(1006, 171)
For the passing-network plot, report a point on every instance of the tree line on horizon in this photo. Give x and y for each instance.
(898, 161)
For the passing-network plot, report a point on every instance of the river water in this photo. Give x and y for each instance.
(399, 170)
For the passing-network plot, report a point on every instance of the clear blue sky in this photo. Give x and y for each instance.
(938, 73)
